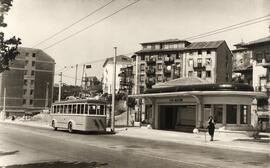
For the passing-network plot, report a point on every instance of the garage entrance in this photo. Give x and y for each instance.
(182, 118)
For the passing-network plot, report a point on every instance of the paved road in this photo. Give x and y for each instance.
(30, 147)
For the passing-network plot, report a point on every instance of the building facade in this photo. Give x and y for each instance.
(28, 83)
(126, 79)
(121, 61)
(172, 59)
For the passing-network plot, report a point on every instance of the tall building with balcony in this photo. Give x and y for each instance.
(174, 60)
(260, 50)
(126, 79)
(121, 61)
(28, 83)
(166, 60)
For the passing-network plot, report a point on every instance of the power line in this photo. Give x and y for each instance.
(93, 24)
(229, 29)
(76, 22)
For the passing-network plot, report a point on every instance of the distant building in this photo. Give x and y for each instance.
(126, 79)
(91, 85)
(121, 61)
(28, 83)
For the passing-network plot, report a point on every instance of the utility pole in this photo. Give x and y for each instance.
(113, 89)
(76, 74)
(82, 75)
(60, 85)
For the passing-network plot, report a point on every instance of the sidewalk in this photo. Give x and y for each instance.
(224, 140)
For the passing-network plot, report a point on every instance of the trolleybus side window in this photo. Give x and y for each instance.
(101, 110)
(54, 109)
(86, 109)
(78, 109)
(82, 108)
(69, 109)
(74, 107)
(65, 109)
(92, 109)
(98, 109)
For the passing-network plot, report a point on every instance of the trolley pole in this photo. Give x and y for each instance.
(113, 89)
(60, 85)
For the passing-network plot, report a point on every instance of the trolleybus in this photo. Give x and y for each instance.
(82, 115)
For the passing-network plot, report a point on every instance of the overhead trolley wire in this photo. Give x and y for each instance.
(74, 23)
(231, 27)
(93, 24)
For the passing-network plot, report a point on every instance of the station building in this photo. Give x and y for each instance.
(177, 105)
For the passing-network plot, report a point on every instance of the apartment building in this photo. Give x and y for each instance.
(166, 60)
(121, 61)
(126, 79)
(28, 83)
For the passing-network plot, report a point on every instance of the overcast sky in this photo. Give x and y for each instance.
(147, 20)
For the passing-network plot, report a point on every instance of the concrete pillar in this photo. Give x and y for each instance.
(224, 114)
(238, 115)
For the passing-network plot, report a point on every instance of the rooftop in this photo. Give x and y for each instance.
(119, 58)
(204, 45)
(258, 41)
(166, 41)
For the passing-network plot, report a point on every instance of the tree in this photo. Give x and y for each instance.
(8, 48)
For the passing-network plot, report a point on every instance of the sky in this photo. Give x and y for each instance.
(147, 20)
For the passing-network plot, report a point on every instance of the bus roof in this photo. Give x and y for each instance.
(82, 101)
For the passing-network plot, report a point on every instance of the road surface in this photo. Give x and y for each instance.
(29, 147)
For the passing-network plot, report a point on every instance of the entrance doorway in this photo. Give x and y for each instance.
(182, 117)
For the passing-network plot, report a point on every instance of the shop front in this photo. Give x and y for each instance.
(184, 108)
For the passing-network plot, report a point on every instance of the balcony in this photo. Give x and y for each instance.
(149, 84)
(169, 61)
(150, 72)
(167, 73)
(151, 62)
(199, 67)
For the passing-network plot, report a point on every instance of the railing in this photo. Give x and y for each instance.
(150, 72)
(151, 62)
(169, 62)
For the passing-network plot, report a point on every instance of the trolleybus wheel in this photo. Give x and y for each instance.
(70, 130)
(53, 125)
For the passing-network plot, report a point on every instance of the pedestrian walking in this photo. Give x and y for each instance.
(211, 127)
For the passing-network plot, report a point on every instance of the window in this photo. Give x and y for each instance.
(208, 74)
(199, 74)
(86, 109)
(92, 109)
(178, 56)
(31, 92)
(160, 57)
(208, 52)
(159, 78)
(218, 110)
(24, 91)
(259, 57)
(102, 110)
(31, 102)
(200, 52)
(74, 109)
(69, 109)
(142, 67)
(82, 109)
(142, 58)
(25, 72)
(24, 101)
(243, 114)
(159, 66)
(33, 63)
(32, 73)
(78, 109)
(98, 110)
(34, 55)
(231, 114)
(25, 81)
(26, 62)
(199, 62)
(157, 46)
(208, 61)
(190, 62)
(141, 89)
(32, 82)
(190, 73)
(142, 78)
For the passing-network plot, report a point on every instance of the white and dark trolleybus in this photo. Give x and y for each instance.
(81, 115)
